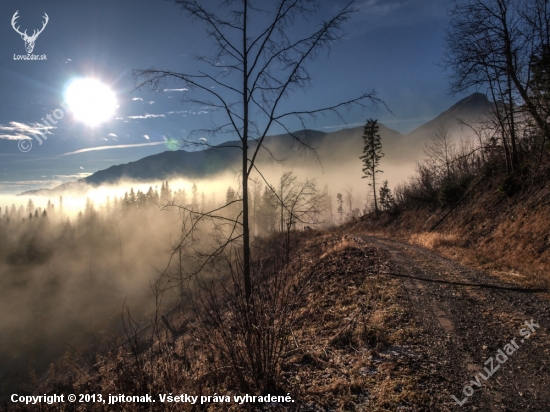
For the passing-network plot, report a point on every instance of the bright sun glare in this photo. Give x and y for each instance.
(90, 101)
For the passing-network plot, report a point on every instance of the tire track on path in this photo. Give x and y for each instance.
(464, 326)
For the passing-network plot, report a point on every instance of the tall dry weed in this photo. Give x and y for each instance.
(435, 240)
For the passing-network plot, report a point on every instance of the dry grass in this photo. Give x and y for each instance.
(435, 240)
(344, 243)
(349, 334)
(511, 244)
(348, 344)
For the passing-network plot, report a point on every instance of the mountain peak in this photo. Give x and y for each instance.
(473, 102)
(469, 109)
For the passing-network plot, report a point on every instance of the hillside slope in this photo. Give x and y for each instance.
(379, 325)
(506, 234)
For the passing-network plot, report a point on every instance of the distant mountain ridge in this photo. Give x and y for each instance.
(331, 147)
(469, 109)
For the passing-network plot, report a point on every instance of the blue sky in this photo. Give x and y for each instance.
(392, 46)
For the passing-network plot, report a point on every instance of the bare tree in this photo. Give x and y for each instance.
(440, 151)
(300, 203)
(285, 193)
(340, 209)
(329, 206)
(257, 187)
(348, 198)
(255, 67)
(303, 203)
(492, 44)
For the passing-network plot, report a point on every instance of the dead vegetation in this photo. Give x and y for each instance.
(484, 198)
(329, 330)
(503, 233)
(435, 240)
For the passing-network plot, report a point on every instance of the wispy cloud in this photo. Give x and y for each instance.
(146, 116)
(73, 176)
(23, 183)
(400, 12)
(419, 120)
(343, 125)
(380, 7)
(175, 90)
(19, 131)
(120, 146)
(56, 180)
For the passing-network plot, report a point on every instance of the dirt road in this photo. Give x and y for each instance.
(484, 344)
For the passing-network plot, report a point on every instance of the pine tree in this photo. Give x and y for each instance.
(61, 207)
(340, 210)
(132, 197)
(165, 192)
(386, 197)
(108, 206)
(267, 212)
(194, 197)
(372, 153)
(126, 201)
(89, 209)
(30, 207)
(141, 199)
(150, 197)
(183, 197)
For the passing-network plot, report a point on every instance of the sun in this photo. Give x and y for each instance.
(90, 101)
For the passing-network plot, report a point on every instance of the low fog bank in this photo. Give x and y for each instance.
(67, 264)
(65, 281)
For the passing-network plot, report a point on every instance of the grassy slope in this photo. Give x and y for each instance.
(349, 346)
(507, 235)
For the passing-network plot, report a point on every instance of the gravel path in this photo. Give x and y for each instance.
(467, 328)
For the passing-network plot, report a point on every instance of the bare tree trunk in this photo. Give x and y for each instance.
(502, 128)
(374, 189)
(246, 227)
(180, 270)
(282, 207)
(512, 125)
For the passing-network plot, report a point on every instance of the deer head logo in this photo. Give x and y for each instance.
(29, 40)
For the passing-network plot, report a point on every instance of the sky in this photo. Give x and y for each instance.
(391, 46)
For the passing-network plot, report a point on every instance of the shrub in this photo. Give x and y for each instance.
(510, 185)
(434, 240)
(452, 190)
